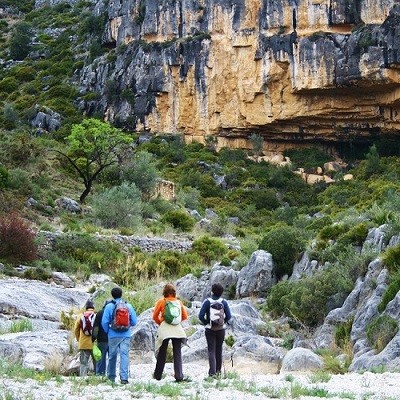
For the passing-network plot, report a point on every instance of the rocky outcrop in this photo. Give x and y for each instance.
(257, 277)
(300, 359)
(290, 71)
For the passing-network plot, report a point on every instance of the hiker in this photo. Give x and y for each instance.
(214, 314)
(102, 341)
(168, 313)
(83, 334)
(118, 317)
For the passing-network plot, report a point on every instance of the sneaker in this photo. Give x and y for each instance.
(124, 382)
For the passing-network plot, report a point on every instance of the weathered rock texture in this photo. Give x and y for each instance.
(298, 71)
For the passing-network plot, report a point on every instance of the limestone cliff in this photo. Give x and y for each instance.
(290, 70)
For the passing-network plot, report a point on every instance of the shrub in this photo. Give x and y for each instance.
(390, 292)
(391, 258)
(356, 234)
(342, 333)
(20, 41)
(8, 85)
(180, 220)
(39, 274)
(209, 249)
(85, 252)
(381, 331)
(285, 243)
(307, 158)
(189, 197)
(265, 198)
(143, 173)
(306, 300)
(332, 232)
(17, 239)
(119, 206)
(3, 177)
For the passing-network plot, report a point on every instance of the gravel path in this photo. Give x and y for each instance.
(238, 384)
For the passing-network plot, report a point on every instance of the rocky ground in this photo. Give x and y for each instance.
(239, 382)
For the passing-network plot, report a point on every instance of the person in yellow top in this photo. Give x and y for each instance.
(169, 328)
(83, 335)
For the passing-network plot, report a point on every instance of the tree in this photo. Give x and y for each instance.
(119, 206)
(20, 42)
(143, 173)
(94, 145)
(257, 141)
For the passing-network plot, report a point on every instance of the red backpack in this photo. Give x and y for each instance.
(87, 321)
(121, 321)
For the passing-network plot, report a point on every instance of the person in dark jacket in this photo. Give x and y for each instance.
(102, 341)
(215, 335)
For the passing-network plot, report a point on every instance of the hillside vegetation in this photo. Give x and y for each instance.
(258, 204)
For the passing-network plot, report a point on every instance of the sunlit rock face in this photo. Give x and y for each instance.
(291, 71)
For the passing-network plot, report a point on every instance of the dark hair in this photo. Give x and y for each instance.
(89, 304)
(217, 289)
(116, 293)
(169, 290)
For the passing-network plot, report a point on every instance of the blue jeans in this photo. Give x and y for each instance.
(102, 363)
(121, 346)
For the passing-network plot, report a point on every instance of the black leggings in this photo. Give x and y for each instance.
(215, 341)
(162, 358)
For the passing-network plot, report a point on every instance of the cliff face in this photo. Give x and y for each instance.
(294, 70)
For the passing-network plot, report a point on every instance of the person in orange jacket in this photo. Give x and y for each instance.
(85, 343)
(169, 330)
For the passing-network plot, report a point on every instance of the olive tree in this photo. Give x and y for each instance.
(94, 145)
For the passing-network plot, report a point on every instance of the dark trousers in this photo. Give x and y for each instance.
(162, 358)
(215, 340)
(101, 365)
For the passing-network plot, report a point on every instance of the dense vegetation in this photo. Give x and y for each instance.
(262, 205)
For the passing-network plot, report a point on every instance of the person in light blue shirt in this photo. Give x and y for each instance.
(119, 338)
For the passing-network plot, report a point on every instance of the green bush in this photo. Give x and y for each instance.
(342, 333)
(332, 232)
(39, 274)
(307, 158)
(143, 173)
(119, 206)
(8, 85)
(285, 243)
(265, 198)
(179, 219)
(19, 44)
(306, 300)
(81, 250)
(189, 197)
(356, 235)
(381, 331)
(3, 177)
(209, 249)
(390, 292)
(391, 258)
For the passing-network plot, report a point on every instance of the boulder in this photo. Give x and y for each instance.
(300, 359)
(38, 300)
(257, 277)
(38, 350)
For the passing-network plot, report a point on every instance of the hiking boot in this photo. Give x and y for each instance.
(124, 382)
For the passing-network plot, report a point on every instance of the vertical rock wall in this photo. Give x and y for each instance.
(288, 70)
